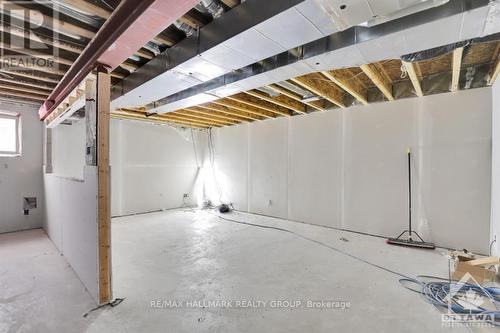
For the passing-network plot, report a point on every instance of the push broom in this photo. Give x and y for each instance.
(410, 241)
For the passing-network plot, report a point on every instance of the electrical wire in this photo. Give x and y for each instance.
(443, 294)
(314, 241)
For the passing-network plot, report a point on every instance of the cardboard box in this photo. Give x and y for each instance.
(479, 273)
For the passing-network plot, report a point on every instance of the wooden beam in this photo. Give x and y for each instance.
(197, 117)
(118, 115)
(191, 21)
(229, 111)
(494, 74)
(234, 104)
(415, 79)
(315, 104)
(160, 39)
(8, 92)
(456, 66)
(283, 101)
(217, 114)
(26, 84)
(193, 120)
(88, 8)
(260, 104)
(213, 118)
(379, 80)
(231, 3)
(318, 86)
(26, 90)
(104, 186)
(40, 39)
(347, 83)
(118, 75)
(8, 73)
(52, 23)
(129, 67)
(47, 57)
(144, 54)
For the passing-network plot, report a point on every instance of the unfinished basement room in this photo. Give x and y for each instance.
(249, 166)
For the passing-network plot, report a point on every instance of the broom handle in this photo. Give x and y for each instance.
(409, 191)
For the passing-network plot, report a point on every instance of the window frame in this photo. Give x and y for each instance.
(17, 117)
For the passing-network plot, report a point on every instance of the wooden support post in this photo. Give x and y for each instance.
(103, 192)
(456, 66)
(415, 80)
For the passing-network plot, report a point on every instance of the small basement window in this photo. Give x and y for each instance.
(10, 134)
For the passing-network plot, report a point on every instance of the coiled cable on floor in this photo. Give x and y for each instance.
(443, 294)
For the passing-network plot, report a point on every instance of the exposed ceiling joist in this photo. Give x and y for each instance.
(235, 104)
(215, 114)
(494, 74)
(231, 3)
(456, 66)
(315, 104)
(349, 84)
(414, 77)
(9, 73)
(9, 93)
(282, 101)
(88, 7)
(134, 115)
(222, 109)
(40, 94)
(40, 39)
(204, 117)
(379, 79)
(257, 103)
(313, 84)
(25, 83)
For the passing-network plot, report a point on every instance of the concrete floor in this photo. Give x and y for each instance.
(194, 256)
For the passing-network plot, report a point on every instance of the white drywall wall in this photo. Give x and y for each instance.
(68, 149)
(71, 215)
(22, 176)
(348, 168)
(152, 166)
(495, 168)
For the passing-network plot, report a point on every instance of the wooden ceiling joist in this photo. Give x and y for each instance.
(414, 77)
(88, 8)
(318, 86)
(257, 103)
(9, 92)
(160, 39)
(350, 85)
(40, 39)
(228, 111)
(494, 74)
(48, 21)
(26, 84)
(37, 92)
(176, 116)
(281, 100)
(379, 79)
(229, 102)
(217, 114)
(156, 121)
(314, 104)
(208, 118)
(9, 73)
(456, 66)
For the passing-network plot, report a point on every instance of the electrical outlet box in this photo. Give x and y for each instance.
(185, 195)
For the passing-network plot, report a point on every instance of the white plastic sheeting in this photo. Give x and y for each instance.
(348, 168)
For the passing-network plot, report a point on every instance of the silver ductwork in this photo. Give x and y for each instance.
(187, 29)
(214, 7)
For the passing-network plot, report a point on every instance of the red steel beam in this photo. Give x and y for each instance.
(132, 25)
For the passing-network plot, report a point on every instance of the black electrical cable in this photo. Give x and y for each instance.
(314, 241)
(112, 304)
